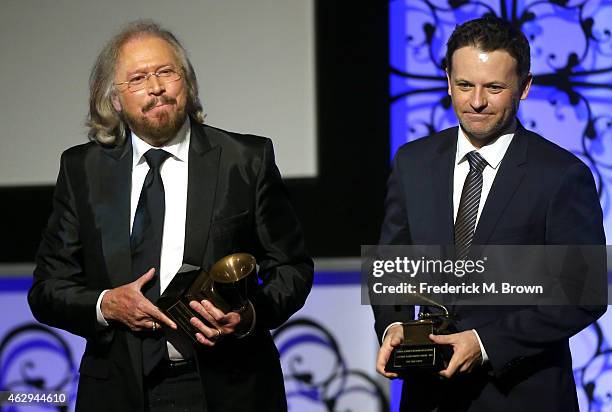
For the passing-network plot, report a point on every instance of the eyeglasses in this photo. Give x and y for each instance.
(139, 81)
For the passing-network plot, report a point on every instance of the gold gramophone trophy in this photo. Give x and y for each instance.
(417, 352)
(225, 285)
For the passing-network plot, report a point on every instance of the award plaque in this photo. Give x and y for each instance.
(417, 351)
(225, 286)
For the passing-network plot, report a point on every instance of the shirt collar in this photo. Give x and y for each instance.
(177, 147)
(493, 152)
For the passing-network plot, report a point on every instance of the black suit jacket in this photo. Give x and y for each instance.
(236, 202)
(541, 195)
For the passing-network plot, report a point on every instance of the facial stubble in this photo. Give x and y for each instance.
(503, 126)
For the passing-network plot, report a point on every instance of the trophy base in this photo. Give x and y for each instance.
(181, 314)
(417, 352)
(406, 357)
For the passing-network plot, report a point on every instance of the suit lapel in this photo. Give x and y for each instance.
(201, 190)
(114, 215)
(442, 183)
(113, 211)
(507, 180)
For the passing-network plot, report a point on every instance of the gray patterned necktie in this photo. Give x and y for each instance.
(465, 224)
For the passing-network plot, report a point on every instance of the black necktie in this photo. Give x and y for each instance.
(468, 205)
(145, 243)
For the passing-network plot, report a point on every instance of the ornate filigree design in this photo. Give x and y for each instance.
(316, 373)
(570, 101)
(35, 358)
(592, 359)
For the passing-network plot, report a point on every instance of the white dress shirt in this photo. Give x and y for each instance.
(174, 173)
(493, 153)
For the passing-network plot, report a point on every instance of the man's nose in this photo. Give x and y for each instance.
(154, 86)
(478, 100)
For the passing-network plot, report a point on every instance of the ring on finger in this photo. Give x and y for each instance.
(154, 326)
(218, 333)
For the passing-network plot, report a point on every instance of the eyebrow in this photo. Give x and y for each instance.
(492, 83)
(140, 71)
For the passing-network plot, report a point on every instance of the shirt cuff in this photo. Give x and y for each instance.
(386, 329)
(99, 316)
(483, 352)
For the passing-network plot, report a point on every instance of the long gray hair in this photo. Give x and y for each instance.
(104, 122)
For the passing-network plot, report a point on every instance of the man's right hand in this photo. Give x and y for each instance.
(127, 304)
(394, 336)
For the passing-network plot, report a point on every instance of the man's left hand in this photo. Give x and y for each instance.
(221, 323)
(466, 352)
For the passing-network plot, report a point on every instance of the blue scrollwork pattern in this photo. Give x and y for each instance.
(33, 359)
(592, 360)
(570, 101)
(317, 376)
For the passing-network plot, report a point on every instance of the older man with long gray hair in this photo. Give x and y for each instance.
(154, 190)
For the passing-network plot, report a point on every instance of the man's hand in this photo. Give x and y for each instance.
(466, 352)
(222, 323)
(127, 304)
(394, 336)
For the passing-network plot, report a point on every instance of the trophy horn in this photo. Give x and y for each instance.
(232, 268)
(431, 302)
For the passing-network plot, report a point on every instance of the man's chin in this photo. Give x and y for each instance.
(157, 131)
(161, 134)
(477, 133)
(481, 135)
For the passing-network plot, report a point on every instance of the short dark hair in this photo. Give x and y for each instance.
(491, 33)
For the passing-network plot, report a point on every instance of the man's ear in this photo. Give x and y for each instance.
(448, 81)
(116, 102)
(526, 86)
